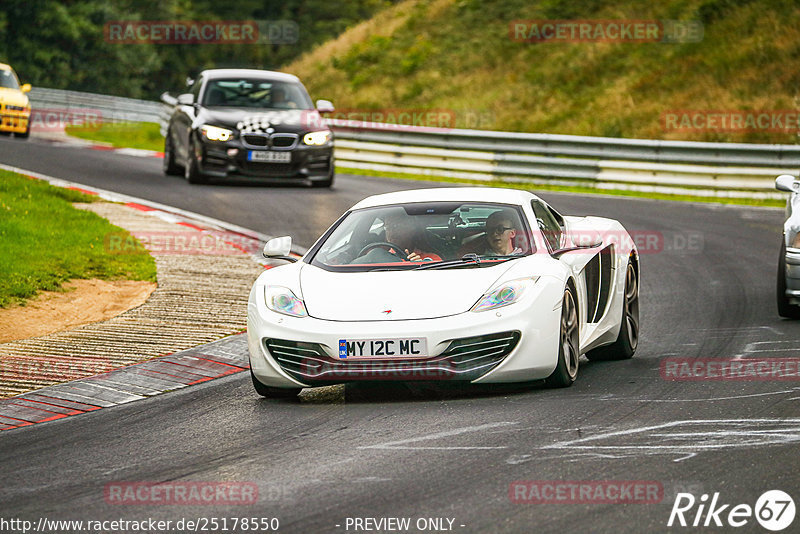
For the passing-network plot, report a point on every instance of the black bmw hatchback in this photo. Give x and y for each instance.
(249, 125)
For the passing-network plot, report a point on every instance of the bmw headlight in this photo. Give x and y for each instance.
(283, 300)
(215, 133)
(317, 138)
(503, 294)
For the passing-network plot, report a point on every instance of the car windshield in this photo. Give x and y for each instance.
(248, 93)
(8, 79)
(408, 236)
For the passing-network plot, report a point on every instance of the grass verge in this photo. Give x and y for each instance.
(144, 135)
(769, 203)
(46, 241)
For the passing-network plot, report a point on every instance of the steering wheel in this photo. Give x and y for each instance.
(398, 250)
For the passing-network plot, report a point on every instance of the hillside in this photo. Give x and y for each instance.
(458, 55)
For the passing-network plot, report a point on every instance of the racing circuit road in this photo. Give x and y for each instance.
(391, 451)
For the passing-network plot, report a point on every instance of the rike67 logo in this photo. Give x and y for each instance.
(774, 510)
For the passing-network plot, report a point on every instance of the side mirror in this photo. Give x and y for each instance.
(25, 88)
(325, 106)
(583, 235)
(586, 238)
(787, 182)
(279, 247)
(186, 99)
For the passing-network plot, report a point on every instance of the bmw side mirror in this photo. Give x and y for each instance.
(787, 182)
(325, 106)
(186, 99)
(25, 88)
(279, 248)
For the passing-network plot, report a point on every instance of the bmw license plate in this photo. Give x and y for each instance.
(265, 156)
(383, 348)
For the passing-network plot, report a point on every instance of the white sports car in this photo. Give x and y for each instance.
(482, 285)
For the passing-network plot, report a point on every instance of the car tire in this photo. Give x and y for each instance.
(785, 308)
(171, 168)
(273, 393)
(191, 172)
(26, 133)
(324, 183)
(628, 339)
(568, 344)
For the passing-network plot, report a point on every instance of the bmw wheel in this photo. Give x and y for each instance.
(171, 168)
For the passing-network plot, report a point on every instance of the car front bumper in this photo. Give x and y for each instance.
(229, 160)
(14, 121)
(532, 354)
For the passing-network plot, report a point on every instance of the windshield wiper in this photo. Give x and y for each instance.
(467, 259)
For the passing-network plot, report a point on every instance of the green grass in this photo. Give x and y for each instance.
(45, 241)
(770, 203)
(457, 55)
(144, 135)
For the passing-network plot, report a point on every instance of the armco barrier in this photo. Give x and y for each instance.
(483, 154)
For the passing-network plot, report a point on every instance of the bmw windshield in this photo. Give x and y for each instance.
(409, 236)
(256, 93)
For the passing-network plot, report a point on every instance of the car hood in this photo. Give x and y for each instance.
(394, 295)
(13, 97)
(281, 120)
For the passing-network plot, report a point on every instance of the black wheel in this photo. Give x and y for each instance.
(569, 344)
(785, 309)
(324, 183)
(191, 172)
(273, 393)
(170, 167)
(628, 339)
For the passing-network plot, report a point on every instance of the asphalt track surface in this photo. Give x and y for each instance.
(391, 451)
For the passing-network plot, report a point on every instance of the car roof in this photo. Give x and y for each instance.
(450, 194)
(3, 66)
(213, 74)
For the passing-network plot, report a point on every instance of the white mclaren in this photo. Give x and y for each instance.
(482, 285)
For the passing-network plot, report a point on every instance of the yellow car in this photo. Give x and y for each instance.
(15, 109)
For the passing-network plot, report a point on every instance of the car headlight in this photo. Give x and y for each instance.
(317, 138)
(503, 294)
(215, 133)
(283, 300)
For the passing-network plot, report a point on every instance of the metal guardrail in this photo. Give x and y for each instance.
(512, 156)
(509, 155)
(107, 108)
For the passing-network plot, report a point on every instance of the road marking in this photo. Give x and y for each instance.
(401, 444)
(690, 437)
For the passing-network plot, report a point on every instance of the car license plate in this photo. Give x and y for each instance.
(383, 348)
(265, 156)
